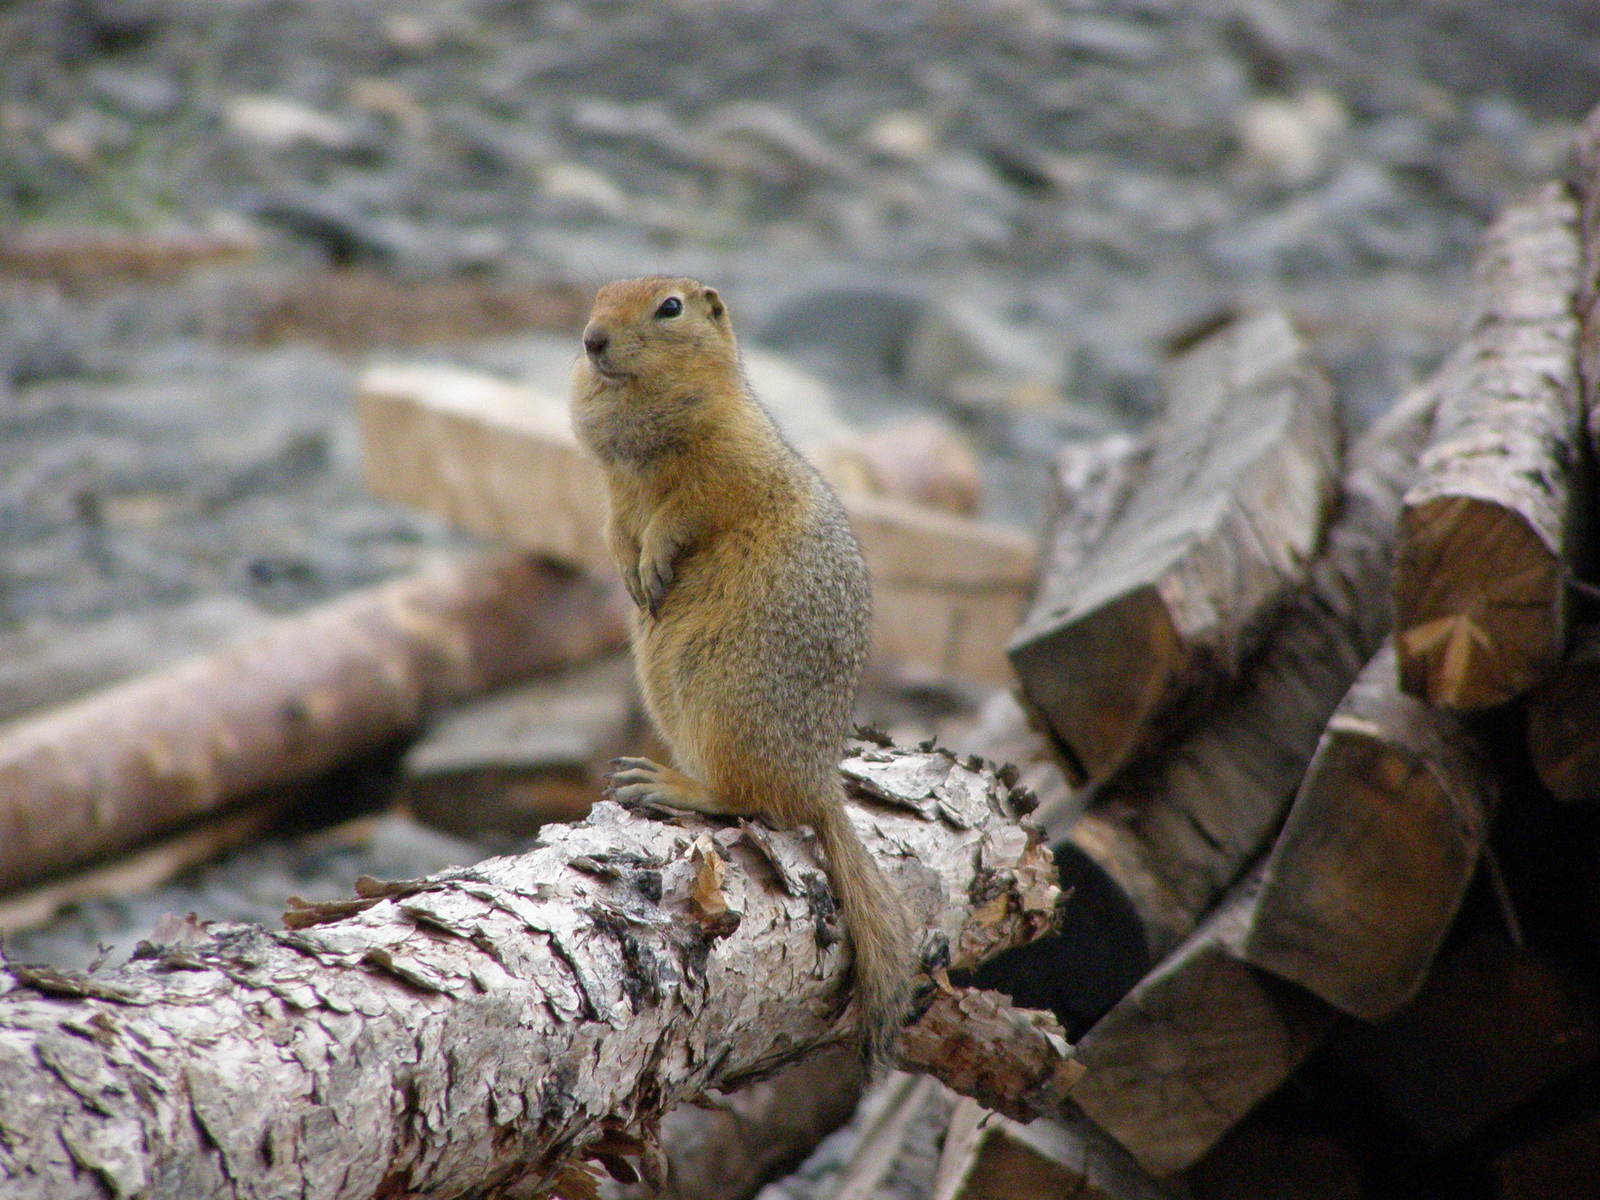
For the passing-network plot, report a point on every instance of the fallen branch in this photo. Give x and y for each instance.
(483, 1031)
(145, 756)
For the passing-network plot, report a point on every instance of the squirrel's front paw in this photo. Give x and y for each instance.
(655, 577)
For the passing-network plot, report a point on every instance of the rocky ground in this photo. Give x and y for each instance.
(1049, 195)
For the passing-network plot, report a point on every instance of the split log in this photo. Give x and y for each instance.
(147, 755)
(1564, 722)
(1165, 609)
(481, 1031)
(522, 756)
(1480, 574)
(726, 1146)
(990, 1157)
(898, 1104)
(1177, 830)
(1196, 1045)
(499, 459)
(1375, 858)
(1494, 1025)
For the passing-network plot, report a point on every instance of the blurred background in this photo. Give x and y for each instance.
(1061, 190)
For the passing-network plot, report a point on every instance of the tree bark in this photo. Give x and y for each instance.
(147, 755)
(1162, 613)
(1480, 574)
(482, 1031)
(1177, 830)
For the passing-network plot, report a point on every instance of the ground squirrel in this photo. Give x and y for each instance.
(753, 604)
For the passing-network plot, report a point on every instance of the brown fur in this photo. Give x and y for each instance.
(753, 602)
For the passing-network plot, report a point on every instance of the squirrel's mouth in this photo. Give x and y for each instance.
(609, 374)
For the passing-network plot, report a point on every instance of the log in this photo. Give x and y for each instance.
(482, 1031)
(147, 755)
(500, 460)
(1160, 616)
(1196, 1045)
(1176, 831)
(1494, 1025)
(1486, 532)
(1564, 722)
(990, 1157)
(1380, 845)
(511, 761)
(727, 1146)
(1586, 186)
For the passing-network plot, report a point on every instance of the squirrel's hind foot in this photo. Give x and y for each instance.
(643, 783)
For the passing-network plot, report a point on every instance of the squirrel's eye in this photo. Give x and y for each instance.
(670, 307)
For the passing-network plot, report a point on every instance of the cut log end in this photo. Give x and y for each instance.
(1130, 649)
(1469, 635)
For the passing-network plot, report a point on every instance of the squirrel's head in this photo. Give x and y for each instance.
(657, 331)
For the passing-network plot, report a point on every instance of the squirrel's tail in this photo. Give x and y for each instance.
(879, 925)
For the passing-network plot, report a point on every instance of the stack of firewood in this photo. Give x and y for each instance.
(1328, 731)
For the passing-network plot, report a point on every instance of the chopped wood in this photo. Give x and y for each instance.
(522, 756)
(481, 1031)
(1586, 185)
(1494, 1025)
(1162, 613)
(150, 754)
(1380, 845)
(990, 1157)
(1196, 1045)
(1179, 828)
(1480, 571)
(726, 1146)
(499, 459)
(1564, 722)
(901, 1100)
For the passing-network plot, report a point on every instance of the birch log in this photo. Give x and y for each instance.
(482, 1031)
(149, 754)
(1178, 829)
(1479, 585)
(1163, 611)
(1375, 858)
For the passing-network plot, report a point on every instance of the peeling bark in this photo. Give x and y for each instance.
(482, 1031)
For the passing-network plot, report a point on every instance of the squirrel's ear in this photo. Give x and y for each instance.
(714, 302)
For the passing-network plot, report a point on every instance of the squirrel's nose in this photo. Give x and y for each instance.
(595, 340)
